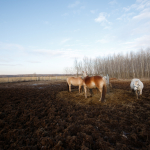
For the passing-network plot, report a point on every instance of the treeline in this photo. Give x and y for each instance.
(33, 75)
(131, 65)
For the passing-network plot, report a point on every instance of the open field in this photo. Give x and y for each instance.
(23, 79)
(43, 115)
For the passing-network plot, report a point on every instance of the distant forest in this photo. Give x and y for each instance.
(131, 65)
(33, 75)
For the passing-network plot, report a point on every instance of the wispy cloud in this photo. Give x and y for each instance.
(139, 5)
(102, 18)
(10, 46)
(65, 40)
(138, 11)
(5, 59)
(72, 53)
(66, 53)
(143, 41)
(48, 52)
(138, 43)
(113, 2)
(74, 4)
(103, 41)
(126, 16)
(145, 14)
(129, 7)
(93, 11)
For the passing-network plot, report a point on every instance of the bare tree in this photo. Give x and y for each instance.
(130, 65)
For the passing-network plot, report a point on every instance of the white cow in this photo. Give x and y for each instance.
(105, 77)
(136, 86)
(109, 85)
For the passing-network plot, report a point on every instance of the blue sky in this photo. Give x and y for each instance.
(45, 37)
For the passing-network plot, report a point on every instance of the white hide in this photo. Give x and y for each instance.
(137, 85)
(104, 77)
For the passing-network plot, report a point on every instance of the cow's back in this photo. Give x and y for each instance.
(134, 81)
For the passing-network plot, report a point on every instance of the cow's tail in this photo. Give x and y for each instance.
(104, 91)
(67, 85)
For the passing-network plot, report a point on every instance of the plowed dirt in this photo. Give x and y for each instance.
(44, 115)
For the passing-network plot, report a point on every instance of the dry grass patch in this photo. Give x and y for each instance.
(114, 97)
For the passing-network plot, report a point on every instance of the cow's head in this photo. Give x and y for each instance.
(84, 74)
(136, 86)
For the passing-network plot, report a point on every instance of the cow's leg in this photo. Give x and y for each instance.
(100, 89)
(70, 87)
(91, 92)
(82, 88)
(79, 88)
(141, 92)
(136, 92)
(97, 90)
(85, 90)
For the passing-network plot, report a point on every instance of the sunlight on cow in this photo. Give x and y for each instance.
(136, 86)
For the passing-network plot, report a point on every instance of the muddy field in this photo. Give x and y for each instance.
(43, 115)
